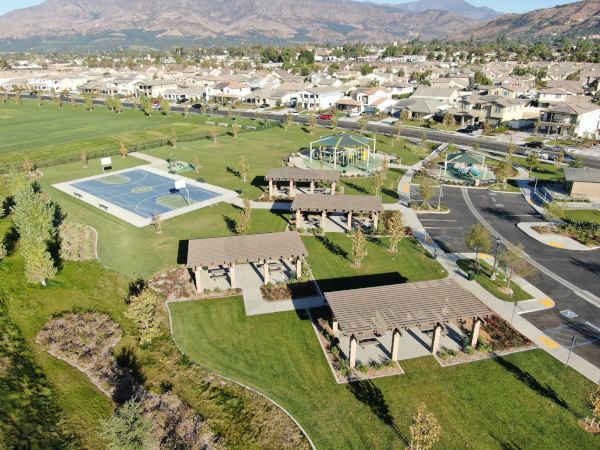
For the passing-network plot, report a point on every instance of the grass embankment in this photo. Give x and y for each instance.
(544, 170)
(583, 215)
(330, 258)
(493, 286)
(496, 403)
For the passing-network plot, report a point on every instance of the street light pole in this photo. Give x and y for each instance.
(493, 276)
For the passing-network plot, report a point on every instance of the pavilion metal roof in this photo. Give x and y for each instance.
(337, 203)
(467, 158)
(343, 140)
(403, 306)
(245, 249)
(582, 175)
(302, 175)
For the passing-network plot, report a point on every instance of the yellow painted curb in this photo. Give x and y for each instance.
(483, 255)
(530, 201)
(547, 302)
(406, 188)
(554, 244)
(549, 342)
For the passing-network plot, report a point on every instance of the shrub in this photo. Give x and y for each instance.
(469, 350)
(207, 291)
(301, 230)
(335, 351)
(217, 290)
(347, 371)
(390, 363)
(362, 367)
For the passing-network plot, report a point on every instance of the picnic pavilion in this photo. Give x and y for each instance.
(366, 315)
(344, 145)
(293, 176)
(220, 255)
(345, 204)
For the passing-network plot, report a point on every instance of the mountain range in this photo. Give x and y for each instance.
(461, 7)
(317, 20)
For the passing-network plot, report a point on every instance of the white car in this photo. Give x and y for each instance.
(540, 155)
(354, 114)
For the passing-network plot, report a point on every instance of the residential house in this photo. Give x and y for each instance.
(418, 108)
(446, 95)
(581, 119)
(317, 97)
(153, 88)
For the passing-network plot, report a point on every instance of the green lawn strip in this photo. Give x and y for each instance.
(330, 258)
(483, 278)
(364, 186)
(583, 215)
(487, 404)
(511, 186)
(544, 171)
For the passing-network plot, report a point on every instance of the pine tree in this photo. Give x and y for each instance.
(39, 265)
(141, 310)
(214, 132)
(359, 248)
(395, 228)
(118, 105)
(129, 429)
(242, 225)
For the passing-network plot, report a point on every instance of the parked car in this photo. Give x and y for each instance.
(534, 144)
(265, 105)
(197, 105)
(539, 155)
(295, 113)
(354, 114)
(326, 116)
(155, 102)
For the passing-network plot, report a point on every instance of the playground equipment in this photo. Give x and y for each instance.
(174, 165)
(473, 171)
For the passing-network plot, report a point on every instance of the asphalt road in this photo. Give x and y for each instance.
(348, 124)
(580, 269)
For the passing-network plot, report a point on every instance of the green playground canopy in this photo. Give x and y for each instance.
(343, 140)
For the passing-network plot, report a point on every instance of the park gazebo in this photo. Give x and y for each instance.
(349, 146)
(293, 176)
(253, 248)
(346, 204)
(466, 162)
(367, 313)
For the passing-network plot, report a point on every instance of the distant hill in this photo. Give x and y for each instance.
(571, 19)
(460, 7)
(283, 20)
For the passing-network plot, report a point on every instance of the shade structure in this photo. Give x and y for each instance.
(401, 306)
(358, 204)
(344, 140)
(302, 175)
(245, 249)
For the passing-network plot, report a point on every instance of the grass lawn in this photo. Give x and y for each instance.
(483, 278)
(511, 186)
(583, 215)
(364, 186)
(544, 171)
(138, 252)
(67, 131)
(508, 402)
(330, 258)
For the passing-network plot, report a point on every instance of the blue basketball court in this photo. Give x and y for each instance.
(142, 192)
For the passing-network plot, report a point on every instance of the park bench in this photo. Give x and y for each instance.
(217, 273)
(210, 123)
(222, 124)
(104, 207)
(77, 194)
(250, 128)
(368, 339)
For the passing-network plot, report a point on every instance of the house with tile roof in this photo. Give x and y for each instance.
(583, 118)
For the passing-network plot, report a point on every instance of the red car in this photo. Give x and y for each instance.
(326, 116)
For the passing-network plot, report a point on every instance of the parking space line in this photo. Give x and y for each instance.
(554, 244)
(549, 342)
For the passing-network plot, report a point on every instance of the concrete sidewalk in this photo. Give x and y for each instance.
(506, 310)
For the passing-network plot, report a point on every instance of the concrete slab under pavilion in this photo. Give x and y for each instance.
(308, 207)
(286, 180)
(384, 316)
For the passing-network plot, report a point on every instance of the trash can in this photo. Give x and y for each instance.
(471, 275)
(464, 341)
(409, 204)
(239, 191)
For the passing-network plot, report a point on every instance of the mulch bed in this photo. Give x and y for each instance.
(563, 233)
(291, 291)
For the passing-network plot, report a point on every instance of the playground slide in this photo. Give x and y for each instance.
(474, 172)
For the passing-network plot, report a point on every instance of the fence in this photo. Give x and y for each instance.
(95, 154)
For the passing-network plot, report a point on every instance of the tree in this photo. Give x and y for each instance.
(395, 227)
(532, 161)
(363, 121)
(334, 123)
(134, 104)
(404, 115)
(515, 263)
(89, 103)
(3, 251)
(39, 265)
(427, 190)
(366, 69)
(203, 108)
(157, 222)
(312, 123)
(502, 169)
(196, 163)
(577, 162)
(235, 128)
(424, 139)
(214, 132)
(244, 167)
(288, 120)
(166, 107)
(118, 105)
(487, 127)
(479, 239)
(28, 165)
(129, 429)
(84, 158)
(242, 225)
(39, 99)
(425, 430)
(385, 166)
(377, 182)
(73, 102)
(476, 146)
(141, 310)
(173, 138)
(359, 248)
(109, 101)
(186, 110)
(17, 98)
(554, 211)
(59, 102)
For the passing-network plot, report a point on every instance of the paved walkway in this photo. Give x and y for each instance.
(504, 309)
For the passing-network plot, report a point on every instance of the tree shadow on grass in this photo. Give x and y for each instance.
(10, 240)
(542, 389)
(504, 445)
(126, 382)
(230, 223)
(370, 395)
(357, 188)
(259, 182)
(390, 193)
(332, 247)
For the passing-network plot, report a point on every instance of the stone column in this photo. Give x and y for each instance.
(197, 276)
(323, 219)
(270, 188)
(335, 325)
(333, 186)
(395, 344)
(298, 218)
(298, 267)
(349, 220)
(475, 332)
(352, 353)
(232, 275)
(435, 341)
(291, 188)
(375, 220)
(312, 187)
(266, 264)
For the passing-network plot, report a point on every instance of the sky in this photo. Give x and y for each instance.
(507, 6)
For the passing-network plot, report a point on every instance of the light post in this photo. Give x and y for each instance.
(494, 270)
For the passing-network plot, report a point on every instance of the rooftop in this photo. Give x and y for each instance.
(303, 175)
(337, 203)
